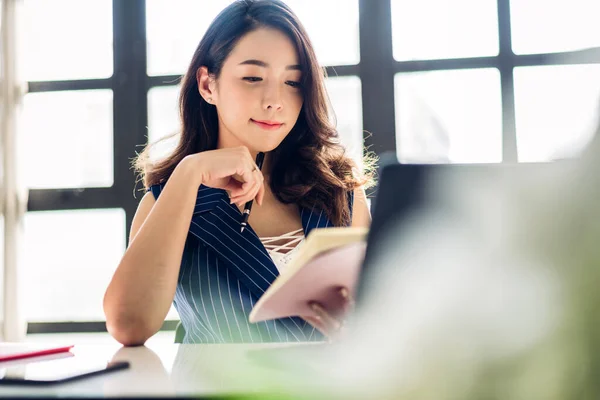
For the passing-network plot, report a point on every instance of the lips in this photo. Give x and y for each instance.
(268, 125)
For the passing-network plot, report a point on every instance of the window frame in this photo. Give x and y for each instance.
(377, 67)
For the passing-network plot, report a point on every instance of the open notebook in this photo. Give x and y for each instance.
(330, 258)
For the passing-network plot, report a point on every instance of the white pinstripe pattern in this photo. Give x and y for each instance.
(184, 313)
(252, 306)
(309, 218)
(222, 255)
(277, 332)
(274, 323)
(202, 318)
(244, 310)
(251, 231)
(200, 322)
(319, 220)
(225, 265)
(185, 307)
(210, 296)
(221, 298)
(202, 297)
(184, 310)
(205, 204)
(311, 334)
(231, 302)
(300, 329)
(253, 245)
(268, 331)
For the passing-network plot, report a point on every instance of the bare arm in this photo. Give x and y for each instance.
(144, 283)
(143, 286)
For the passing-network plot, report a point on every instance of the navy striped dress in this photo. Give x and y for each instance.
(224, 272)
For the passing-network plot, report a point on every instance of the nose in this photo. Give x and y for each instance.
(272, 99)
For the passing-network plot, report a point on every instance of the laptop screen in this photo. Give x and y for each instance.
(399, 192)
(404, 189)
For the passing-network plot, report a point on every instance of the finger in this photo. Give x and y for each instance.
(247, 175)
(347, 298)
(252, 193)
(260, 195)
(331, 324)
(238, 190)
(249, 161)
(255, 188)
(249, 181)
(318, 324)
(233, 187)
(261, 187)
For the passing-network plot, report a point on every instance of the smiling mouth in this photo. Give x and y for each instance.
(267, 125)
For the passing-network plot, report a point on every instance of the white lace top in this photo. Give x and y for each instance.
(283, 253)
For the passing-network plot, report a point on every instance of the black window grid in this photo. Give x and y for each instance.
(377, 67)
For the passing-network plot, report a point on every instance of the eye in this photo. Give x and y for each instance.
(252, 79)
(293, 84)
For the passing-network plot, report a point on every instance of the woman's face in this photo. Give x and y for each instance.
(258, 94)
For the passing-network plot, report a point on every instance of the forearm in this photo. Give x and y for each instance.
(143, 286)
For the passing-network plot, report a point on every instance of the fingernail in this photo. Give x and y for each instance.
(344, 292)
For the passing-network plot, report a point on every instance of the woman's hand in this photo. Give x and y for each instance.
(331, 322)
(231, 169)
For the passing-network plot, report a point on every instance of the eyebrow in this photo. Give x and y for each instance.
(263, 64)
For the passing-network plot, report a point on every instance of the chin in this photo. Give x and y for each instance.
(264, 146)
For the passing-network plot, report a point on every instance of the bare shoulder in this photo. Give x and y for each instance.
(361, 216)
(141, 214)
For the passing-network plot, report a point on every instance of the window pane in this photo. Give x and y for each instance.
(333, 30)
(345, 94)
(449, 116)
(175, 27)
(67, 139)
(68, 39)
(556, 110)
(163, 118)
(440, 29)
(1, 259)
(68, 256)
(548, 26)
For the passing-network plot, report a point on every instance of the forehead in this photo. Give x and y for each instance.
(269, 45)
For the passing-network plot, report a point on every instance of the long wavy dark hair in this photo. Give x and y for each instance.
(310, 166)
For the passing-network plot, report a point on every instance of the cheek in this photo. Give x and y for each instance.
(295, 104)
(294, 101)
(235, 104)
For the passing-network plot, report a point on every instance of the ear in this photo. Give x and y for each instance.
(206, 85)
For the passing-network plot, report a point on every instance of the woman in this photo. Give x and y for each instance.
(253, 85)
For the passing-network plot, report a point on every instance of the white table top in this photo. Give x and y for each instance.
(181, 370)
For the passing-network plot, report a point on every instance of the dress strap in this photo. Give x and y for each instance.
(293, 238)
(284, 236)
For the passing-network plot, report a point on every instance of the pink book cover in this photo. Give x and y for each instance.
(317, 280)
